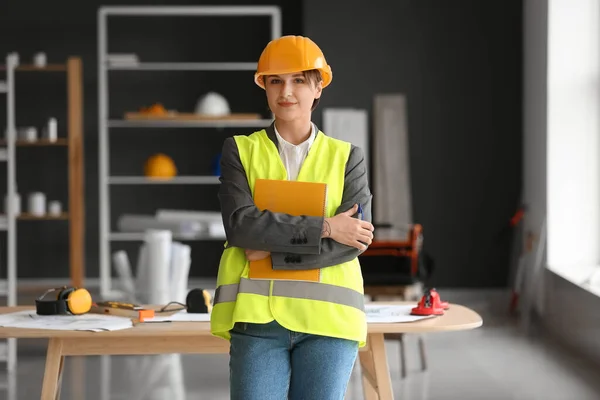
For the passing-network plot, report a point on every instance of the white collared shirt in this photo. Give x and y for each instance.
(293, 156)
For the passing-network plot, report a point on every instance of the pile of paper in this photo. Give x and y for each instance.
(123, 60)
(185, 224)
(136, 223)
(391, 313)
(87, 322)
(163, 267)
(211, 222)
(180, 316)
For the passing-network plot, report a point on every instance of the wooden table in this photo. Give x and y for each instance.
(195, 338)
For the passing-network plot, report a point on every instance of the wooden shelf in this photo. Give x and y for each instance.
(73, 142)
(176, 180)
(30, 217)
(183, 66)
(177, 116)
(39, 142)
(33, 68)
(139, 237)
(191, 123)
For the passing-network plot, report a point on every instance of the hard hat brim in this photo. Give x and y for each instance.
(326, 75)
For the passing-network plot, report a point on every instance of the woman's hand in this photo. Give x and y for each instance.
(345, 229)
(255, 255)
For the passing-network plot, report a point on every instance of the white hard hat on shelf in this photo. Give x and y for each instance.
(213, 104)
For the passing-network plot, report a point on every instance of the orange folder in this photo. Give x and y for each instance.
(294, 198)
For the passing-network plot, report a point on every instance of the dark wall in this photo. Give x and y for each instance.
(62, 29)
(459, 64)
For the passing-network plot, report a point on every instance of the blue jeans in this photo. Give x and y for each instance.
(269, 362)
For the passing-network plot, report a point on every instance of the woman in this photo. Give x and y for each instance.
(292, 339)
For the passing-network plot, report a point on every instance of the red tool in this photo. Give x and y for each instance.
(430, 304)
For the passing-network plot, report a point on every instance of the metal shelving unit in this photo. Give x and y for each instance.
(186, 66)
(73, 142)
(253, 123)
(9, 217)
(105, 123)
(8, 286)
(136, 237)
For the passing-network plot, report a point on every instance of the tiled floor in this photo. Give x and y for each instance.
(494, 362)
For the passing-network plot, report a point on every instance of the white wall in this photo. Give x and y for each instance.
(573, 130)
(561, 127)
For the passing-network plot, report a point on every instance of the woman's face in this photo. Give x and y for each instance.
(291, 96)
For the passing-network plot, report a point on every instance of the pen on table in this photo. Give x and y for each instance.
(360, 211)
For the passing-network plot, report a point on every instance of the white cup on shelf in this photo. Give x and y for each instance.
(54, 208)
(30, 134)
(37, 204)
(39, 60)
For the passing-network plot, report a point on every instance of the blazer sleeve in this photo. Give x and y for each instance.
(250, 228)
(356, 191)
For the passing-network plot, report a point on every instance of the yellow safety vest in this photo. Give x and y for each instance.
(332, 307)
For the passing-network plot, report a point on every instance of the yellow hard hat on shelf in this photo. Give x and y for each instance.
(289, 54)
(160, 166)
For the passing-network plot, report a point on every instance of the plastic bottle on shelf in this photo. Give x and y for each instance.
(16, 204)
(51, 130)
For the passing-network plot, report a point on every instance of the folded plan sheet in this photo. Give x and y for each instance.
(180, 316)
(389, 313)
(86, 322)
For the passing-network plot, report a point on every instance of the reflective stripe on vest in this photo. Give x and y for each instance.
(297, 290)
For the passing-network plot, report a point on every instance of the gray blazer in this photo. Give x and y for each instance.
(294, 242)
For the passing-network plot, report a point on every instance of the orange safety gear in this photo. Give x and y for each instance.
(160, 166)
(289, 54)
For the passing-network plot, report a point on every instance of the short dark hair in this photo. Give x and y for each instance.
(314, 77)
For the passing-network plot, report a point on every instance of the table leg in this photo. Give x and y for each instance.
(423, 354)
(77, 377)
(53, 372)
(377, 384)
(402, 356)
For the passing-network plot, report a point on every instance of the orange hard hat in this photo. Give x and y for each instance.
(289, 54)
(160, 166)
